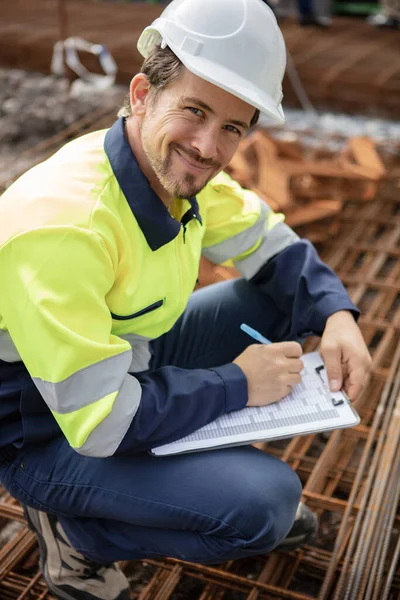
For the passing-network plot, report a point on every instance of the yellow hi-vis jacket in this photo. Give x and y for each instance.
(93, 267)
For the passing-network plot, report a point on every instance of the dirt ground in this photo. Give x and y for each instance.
(34, 107)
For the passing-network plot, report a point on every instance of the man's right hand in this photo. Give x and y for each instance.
(271, 370)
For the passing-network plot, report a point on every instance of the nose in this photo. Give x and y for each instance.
(205, 142)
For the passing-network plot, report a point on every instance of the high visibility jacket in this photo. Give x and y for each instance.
(95, 267)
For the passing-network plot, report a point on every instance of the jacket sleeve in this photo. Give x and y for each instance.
(240, 228)
(55, 310)
(243, 230)
(304, 288)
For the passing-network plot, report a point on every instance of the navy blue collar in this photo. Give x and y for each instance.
(158, 227)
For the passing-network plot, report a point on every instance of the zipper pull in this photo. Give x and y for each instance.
(184, 232)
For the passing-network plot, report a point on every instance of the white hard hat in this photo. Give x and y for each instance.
(234, 44)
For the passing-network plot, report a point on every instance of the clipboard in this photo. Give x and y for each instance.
(309, 408)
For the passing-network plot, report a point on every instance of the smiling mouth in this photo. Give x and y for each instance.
(194, 165)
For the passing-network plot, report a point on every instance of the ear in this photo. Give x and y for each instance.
(139, 91)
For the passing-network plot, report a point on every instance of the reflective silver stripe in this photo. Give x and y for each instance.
(240, 242)
(275, 240)
(141, 354)
(87, 385)
(8, 351)
(105, 439)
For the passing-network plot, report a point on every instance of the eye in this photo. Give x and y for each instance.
(233, 129)
(195, 111)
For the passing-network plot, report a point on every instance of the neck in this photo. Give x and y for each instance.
(133, 135)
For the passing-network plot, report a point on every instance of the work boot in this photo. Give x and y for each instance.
(303, 530)
(315, 20)
(68, 574)
(382, 20)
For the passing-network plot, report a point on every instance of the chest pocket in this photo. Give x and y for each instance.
(141, 312)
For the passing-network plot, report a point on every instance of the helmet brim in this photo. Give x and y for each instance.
(243, 89)
(217, 75)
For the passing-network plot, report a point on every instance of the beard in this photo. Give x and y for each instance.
(179, 186)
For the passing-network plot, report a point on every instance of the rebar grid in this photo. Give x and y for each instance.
(350, 477)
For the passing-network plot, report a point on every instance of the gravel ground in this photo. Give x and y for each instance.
(34, 107)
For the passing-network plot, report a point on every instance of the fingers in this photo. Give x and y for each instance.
(291, 381)
(332, 356)
(293, 350)
(354, 388)
(290, 349)
(357, 380)
(294, 380)
(295, 365)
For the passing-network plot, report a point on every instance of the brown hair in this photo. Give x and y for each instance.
(163, 67)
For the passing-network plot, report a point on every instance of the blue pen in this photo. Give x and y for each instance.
(254, 334)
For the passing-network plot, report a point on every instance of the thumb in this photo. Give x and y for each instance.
(333, 364)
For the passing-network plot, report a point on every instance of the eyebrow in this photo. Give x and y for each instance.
(193, 100)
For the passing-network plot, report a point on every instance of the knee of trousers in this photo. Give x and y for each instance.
(272, 513)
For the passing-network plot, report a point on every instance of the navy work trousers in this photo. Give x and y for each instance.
(205, 507)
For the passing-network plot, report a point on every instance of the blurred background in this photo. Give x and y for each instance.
(333, 169)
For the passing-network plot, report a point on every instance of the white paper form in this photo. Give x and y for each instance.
(309, 408)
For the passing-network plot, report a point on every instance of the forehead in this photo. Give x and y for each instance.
(222, 103)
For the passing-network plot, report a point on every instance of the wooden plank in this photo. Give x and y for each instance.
(320, 168)
(316, 210)
(364, 151)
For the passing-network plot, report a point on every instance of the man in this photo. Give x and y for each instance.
(106, 353)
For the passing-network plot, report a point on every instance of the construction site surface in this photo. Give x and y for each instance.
(351, 67)
(347, 201)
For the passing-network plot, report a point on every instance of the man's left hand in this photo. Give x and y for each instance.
(346, 356)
